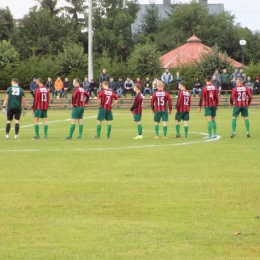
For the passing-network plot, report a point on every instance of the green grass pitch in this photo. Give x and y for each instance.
(130, 199)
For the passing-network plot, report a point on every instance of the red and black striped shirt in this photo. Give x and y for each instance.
(78, 97)
(242, 96)
(106, 96)
(209, 96)
(138, 104)
(41, 99)
(183, 101)
(161, 101)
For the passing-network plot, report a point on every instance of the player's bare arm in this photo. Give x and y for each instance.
(6, 100)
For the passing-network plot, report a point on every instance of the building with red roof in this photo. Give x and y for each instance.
(188, 53)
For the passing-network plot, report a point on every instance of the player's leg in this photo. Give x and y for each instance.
(178, 117)
(80, 122)
(186, 118)
(236, 112)
(109, 118)
(36, 124)
(137, 119)
(164, 115)
(45, 124)
(17, 115)
(247, 124)
(157, 120)
(208, 115)
(74, 117)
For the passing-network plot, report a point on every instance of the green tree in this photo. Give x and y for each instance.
(6, 23)
(145, 61)
(49, 5)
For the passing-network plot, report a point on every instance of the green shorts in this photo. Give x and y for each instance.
(40, 113)
(242, 110)
(104, 114)
(137, 118)
(77, 112)
(211, 111)
(161, 115)
(185, 116)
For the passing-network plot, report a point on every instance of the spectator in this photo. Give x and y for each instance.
(66, 88)
(86, 84)
(139, 81)
(242, 75)
(58, 87)
(49, 86)
(167, 78)
(249, 84)
(33, 87)
(218, 76)
(103, 77)
(148, 86)
(93, 88)
(197, 87)
(234, 76)
(257, 86)
(155, 85)
(112, 85)
(128, 86)
(215, 82)
(120, 87)
(225, 79)
(177, 79)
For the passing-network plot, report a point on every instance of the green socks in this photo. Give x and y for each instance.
(210, 128)
(178, 133)
(36, 129)
(186, 129)
(156, 128)
(247, 125)
(140, 129)
(45, 131)
(98, 130)
(165, 130)
(214, 125)
(72, 128)
(234, 125)
(80, 131)
(109, 127)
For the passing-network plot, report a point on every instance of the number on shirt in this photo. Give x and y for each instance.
(160, 101)
(108, 98)
(15, 91)
(44, 97)
(211, 94)
(186, 101)
(241, 96)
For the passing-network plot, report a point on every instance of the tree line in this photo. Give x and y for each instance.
(53, 41)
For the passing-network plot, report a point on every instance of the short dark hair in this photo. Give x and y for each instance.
(77, 80)
(15, 80)
(183, 83)
(137, 85)
(208, 78)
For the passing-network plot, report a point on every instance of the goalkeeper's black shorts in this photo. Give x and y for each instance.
(13, 113)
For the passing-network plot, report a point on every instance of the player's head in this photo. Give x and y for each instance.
(137, 87)
(182, 85)
(105, 85)
(39, 82)
(14, 82)
(208, 79)
(76, 82)
(239, 81)
(160, 85)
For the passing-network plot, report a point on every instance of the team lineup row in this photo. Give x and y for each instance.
(15, 105)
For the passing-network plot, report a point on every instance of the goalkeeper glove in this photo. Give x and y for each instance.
(4, 111)
(24, 111)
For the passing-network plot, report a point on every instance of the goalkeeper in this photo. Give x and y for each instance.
(13, 103)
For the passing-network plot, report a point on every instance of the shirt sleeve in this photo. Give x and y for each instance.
(152, 101)
(169, 102)
(180, 97)
(202, 97)
(232, 96)
(115, 96)
(36, 99)
(249, 96)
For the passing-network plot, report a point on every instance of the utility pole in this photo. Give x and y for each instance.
(90, 41)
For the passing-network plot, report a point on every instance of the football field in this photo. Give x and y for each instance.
(121, 198)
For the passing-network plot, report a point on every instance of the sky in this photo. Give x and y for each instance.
(246, 13)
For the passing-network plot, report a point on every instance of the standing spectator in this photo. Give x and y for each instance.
(217, 84)
(177, 79)
(112, 85)
(49, 86)
(129, 86)
(139, 81)
(33, 87)
(93, 88)
(148, 86)
(217, 75)
(242, 75)
(167, 78)
(155, 85)
(58, 87)
(86, 84)
(197, 87)
(103, 77)
(120, 87)
(225, 79)
(234, 76)
(66, 88)
(249, 84)
(257, 86)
